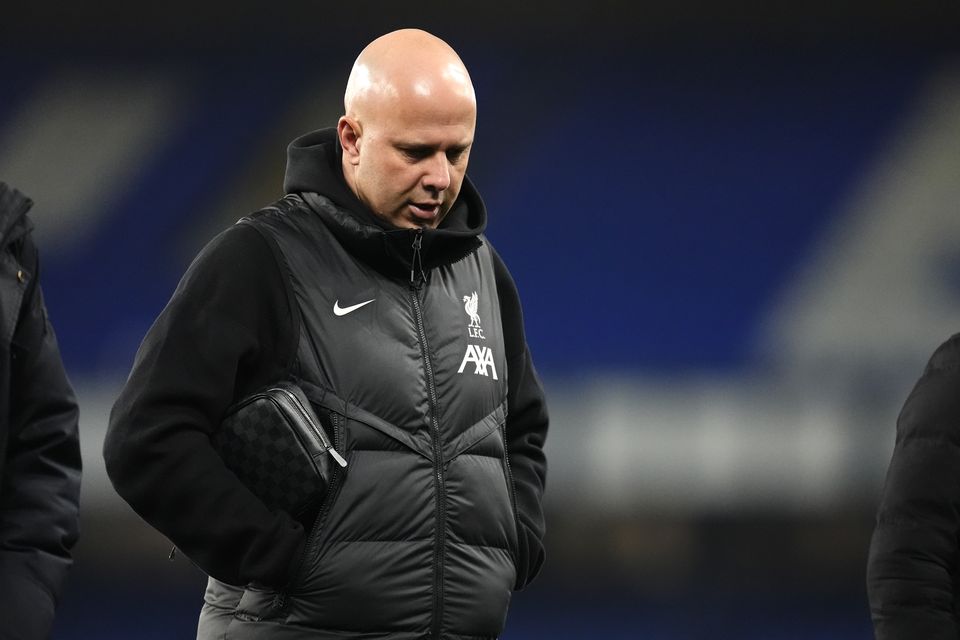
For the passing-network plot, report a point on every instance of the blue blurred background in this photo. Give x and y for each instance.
(734, 226)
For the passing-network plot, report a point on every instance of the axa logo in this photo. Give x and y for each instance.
(470, 304)
(482, 358)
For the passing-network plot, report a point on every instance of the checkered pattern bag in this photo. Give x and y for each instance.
(274, 442)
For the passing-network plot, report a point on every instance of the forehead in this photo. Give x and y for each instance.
(432, 135)
(426, 118)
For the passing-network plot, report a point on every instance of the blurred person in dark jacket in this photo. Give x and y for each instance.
(372, 285)
(914, 562)
(39, 449)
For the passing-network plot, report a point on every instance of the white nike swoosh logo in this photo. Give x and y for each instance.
(342, 311)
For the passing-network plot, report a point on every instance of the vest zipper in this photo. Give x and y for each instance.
(417, 277)
(415, 284)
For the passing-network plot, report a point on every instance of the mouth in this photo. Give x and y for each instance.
(424, 210)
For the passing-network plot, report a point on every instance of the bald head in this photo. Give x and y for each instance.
(404, 66)
(409, 116)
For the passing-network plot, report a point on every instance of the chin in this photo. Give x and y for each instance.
(418, 223)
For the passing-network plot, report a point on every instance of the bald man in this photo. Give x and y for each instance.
(371, 285)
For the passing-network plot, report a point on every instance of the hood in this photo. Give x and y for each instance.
(13, 211)
(314, 167)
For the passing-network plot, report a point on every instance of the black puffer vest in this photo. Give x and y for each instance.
(401, 352)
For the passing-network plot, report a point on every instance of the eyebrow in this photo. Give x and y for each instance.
(413, 146)
(419, 147)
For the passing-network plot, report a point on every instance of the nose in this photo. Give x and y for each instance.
(437, 174)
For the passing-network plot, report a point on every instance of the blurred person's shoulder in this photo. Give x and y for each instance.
(933, 406)
(946, 357)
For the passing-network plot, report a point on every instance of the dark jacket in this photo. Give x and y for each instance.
(39, 450)
(438, 516)
(914, 564)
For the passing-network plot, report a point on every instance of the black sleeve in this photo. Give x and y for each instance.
(527, 423)
(227, 330)
(912, 566)
(39, 500)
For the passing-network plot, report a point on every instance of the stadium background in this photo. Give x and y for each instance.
(734, 227)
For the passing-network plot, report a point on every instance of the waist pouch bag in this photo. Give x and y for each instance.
(273, 441)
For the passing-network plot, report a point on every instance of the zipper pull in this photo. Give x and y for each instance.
(173, 554)
(336, 456)
(416, 261)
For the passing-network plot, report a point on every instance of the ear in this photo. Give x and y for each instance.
(348, 130)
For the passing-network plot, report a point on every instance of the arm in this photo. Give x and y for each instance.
(527, 423)
(40, 490)
(913, 560)
(226, 331)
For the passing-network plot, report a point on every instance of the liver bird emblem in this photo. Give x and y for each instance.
(470, 304)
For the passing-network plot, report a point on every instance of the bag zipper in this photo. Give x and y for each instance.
(315, 428)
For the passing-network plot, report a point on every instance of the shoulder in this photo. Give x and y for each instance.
(21, 252)
(933, 406)
(506, 287)
(290, 210)
(236, 270)
(21, 260)
(946, 357)
(510, 306)
(240, 249)
(511, 310)
(21, 269)
(288, 225)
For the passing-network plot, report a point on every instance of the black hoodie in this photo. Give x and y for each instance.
(229, 329)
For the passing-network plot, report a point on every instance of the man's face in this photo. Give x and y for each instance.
(409, 161)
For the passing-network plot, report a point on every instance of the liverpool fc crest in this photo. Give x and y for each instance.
(470, 304)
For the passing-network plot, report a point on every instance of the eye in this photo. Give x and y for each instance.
(456, 154)
(416, 153)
